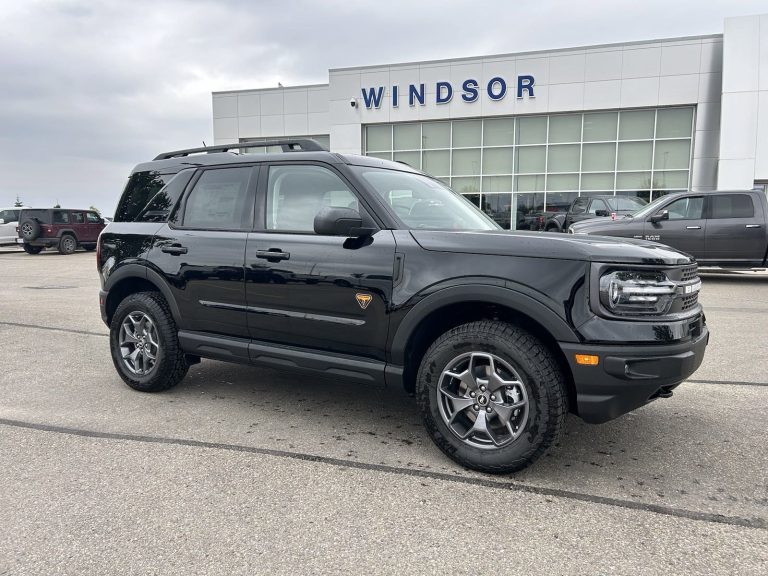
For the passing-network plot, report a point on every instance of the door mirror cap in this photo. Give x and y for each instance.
(660, 215)
(601, 212)
(345, 222)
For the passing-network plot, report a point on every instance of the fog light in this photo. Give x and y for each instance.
(587, 359)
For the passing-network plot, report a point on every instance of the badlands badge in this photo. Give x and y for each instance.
(363, 300)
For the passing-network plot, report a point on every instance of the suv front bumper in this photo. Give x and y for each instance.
(628, 377)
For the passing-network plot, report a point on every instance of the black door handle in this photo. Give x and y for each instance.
(174, 249)
(273, 254)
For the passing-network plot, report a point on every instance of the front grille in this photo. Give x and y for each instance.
(689, 302)
(690, 273)
(685, 278)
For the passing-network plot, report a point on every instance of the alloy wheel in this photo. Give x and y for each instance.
(139, 343)
(483, 400)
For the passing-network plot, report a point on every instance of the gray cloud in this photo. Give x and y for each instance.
(91, 88)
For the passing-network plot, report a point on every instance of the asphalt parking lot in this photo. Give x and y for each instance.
(244, 470)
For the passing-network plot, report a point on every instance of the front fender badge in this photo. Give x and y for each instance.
(363, 300)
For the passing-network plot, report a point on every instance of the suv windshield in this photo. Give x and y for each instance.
(628, 203)
(421, 202)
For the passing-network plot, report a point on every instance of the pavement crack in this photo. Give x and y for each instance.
(755, 522)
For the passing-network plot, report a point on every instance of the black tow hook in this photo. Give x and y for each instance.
(664, 393)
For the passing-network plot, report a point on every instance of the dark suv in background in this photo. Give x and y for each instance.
(351, 267)
(65, 229)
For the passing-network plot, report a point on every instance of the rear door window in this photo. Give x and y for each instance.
(78, 218)
(219, 201)
(60, 217)
(731, 206)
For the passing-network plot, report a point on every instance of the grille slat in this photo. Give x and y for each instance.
(690, 273)
(685, 302)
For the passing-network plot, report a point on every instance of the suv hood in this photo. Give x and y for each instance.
(551, 245)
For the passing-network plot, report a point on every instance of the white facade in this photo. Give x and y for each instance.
(721, 79)
(744, 111)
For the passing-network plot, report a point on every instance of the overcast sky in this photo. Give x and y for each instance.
(91, 88)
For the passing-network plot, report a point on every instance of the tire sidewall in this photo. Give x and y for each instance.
(63, 244)
(35, 229)
(520, 450)
(155, 313)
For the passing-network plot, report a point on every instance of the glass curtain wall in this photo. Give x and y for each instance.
(521, 169)
(323, 139)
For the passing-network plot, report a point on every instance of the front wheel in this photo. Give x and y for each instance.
(492, 396)
(144, 343)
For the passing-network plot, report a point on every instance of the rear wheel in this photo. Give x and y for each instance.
(67, 244)
(144, 343)
(29, 249)
(492, 396)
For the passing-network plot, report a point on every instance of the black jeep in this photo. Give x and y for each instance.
(358, 268)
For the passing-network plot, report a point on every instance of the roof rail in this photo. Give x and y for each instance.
(288, 145)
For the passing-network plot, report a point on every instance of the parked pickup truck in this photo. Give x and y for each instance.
(589, 207)
(726, 229)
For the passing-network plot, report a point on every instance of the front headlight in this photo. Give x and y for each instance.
(632, 293)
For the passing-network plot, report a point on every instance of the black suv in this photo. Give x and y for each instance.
(358, 268)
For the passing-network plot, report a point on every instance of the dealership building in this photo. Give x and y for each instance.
(522, 133)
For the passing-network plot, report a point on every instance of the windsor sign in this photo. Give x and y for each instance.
(469, 91)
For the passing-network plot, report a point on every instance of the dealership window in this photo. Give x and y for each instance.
(521, 169)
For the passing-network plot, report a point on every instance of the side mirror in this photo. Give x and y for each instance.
(660, 215)
(601, 212)
(344, 222)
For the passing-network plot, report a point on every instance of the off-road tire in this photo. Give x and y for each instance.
(29, 249)
(29, 229)
(540, 373)
(67, 244)
(171, 365)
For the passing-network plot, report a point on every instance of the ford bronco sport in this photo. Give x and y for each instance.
(364, 269)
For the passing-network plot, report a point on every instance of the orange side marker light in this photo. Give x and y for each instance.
(587, 359)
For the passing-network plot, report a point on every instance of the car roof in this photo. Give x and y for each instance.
(65, 209)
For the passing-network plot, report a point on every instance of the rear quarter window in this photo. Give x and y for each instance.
(161, 205)
(43, 216)
(140, 189)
